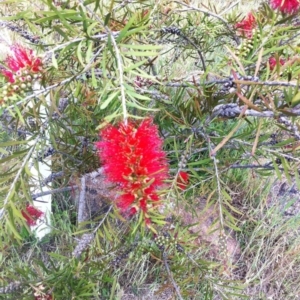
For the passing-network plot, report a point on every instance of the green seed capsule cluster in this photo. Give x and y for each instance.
(222, 245)
(23, 83)
(247, 45)
(165, 241)
(183, 160)
(141, 248)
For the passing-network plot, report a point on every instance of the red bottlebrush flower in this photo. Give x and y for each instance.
(182, 180)
(43, 297)
(246, 26)
(133, 158)
(31, 214)
(286, 6)
(273, 62)
(9, 75)
(20, 59)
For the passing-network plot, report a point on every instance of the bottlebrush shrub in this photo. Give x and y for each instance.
(23, 68)
(286, 6)
(31, 215)
(133, 158)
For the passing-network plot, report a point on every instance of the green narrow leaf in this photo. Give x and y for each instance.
(176, 148)
(54, 61)
(16, 212)
(107, 233)
(79, 53)
(205, 161)
(135, 30)
(19, 114)
(25, 189)
(113, 289)
(296, 99)
(90, 28)
(135, 105)
(275, 165)
(125, 29)
(84, 18)
(13, 143)
(4, 151)
(107, 18)
(89, 51)
(286, 170)
(60, 31)
(94, 79)
(141, 47)
(13, 229)
(140, 53)
(109, 99)
(297, 178)
(27, 170)
(108, 119)
(137, 96)
(135, 66)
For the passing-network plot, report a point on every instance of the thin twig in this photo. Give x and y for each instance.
(91, 175)
(213, 157)
(55, 191)
(52, 176)
(103, 219)
(26, 35)
(41, 92)
(210, 14)
(188, 84)
(87, 238)
(120, 67)
(230, 7)
(96, 37)
(265, 166)
(119, 61)
(267, 149)
(281, 43)
(203, 11)
(233, 110)
(81, 202)
(170, 275)
(197, 49)
(11, 190)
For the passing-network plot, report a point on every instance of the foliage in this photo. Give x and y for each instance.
(226, 105)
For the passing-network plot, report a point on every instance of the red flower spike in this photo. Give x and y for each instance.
(21, 58)
(133, 158)
(9, 75)
(285, 6)
(148, 222)
(273, 62)
(31, 215)
(182, 180)
(246, 26)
